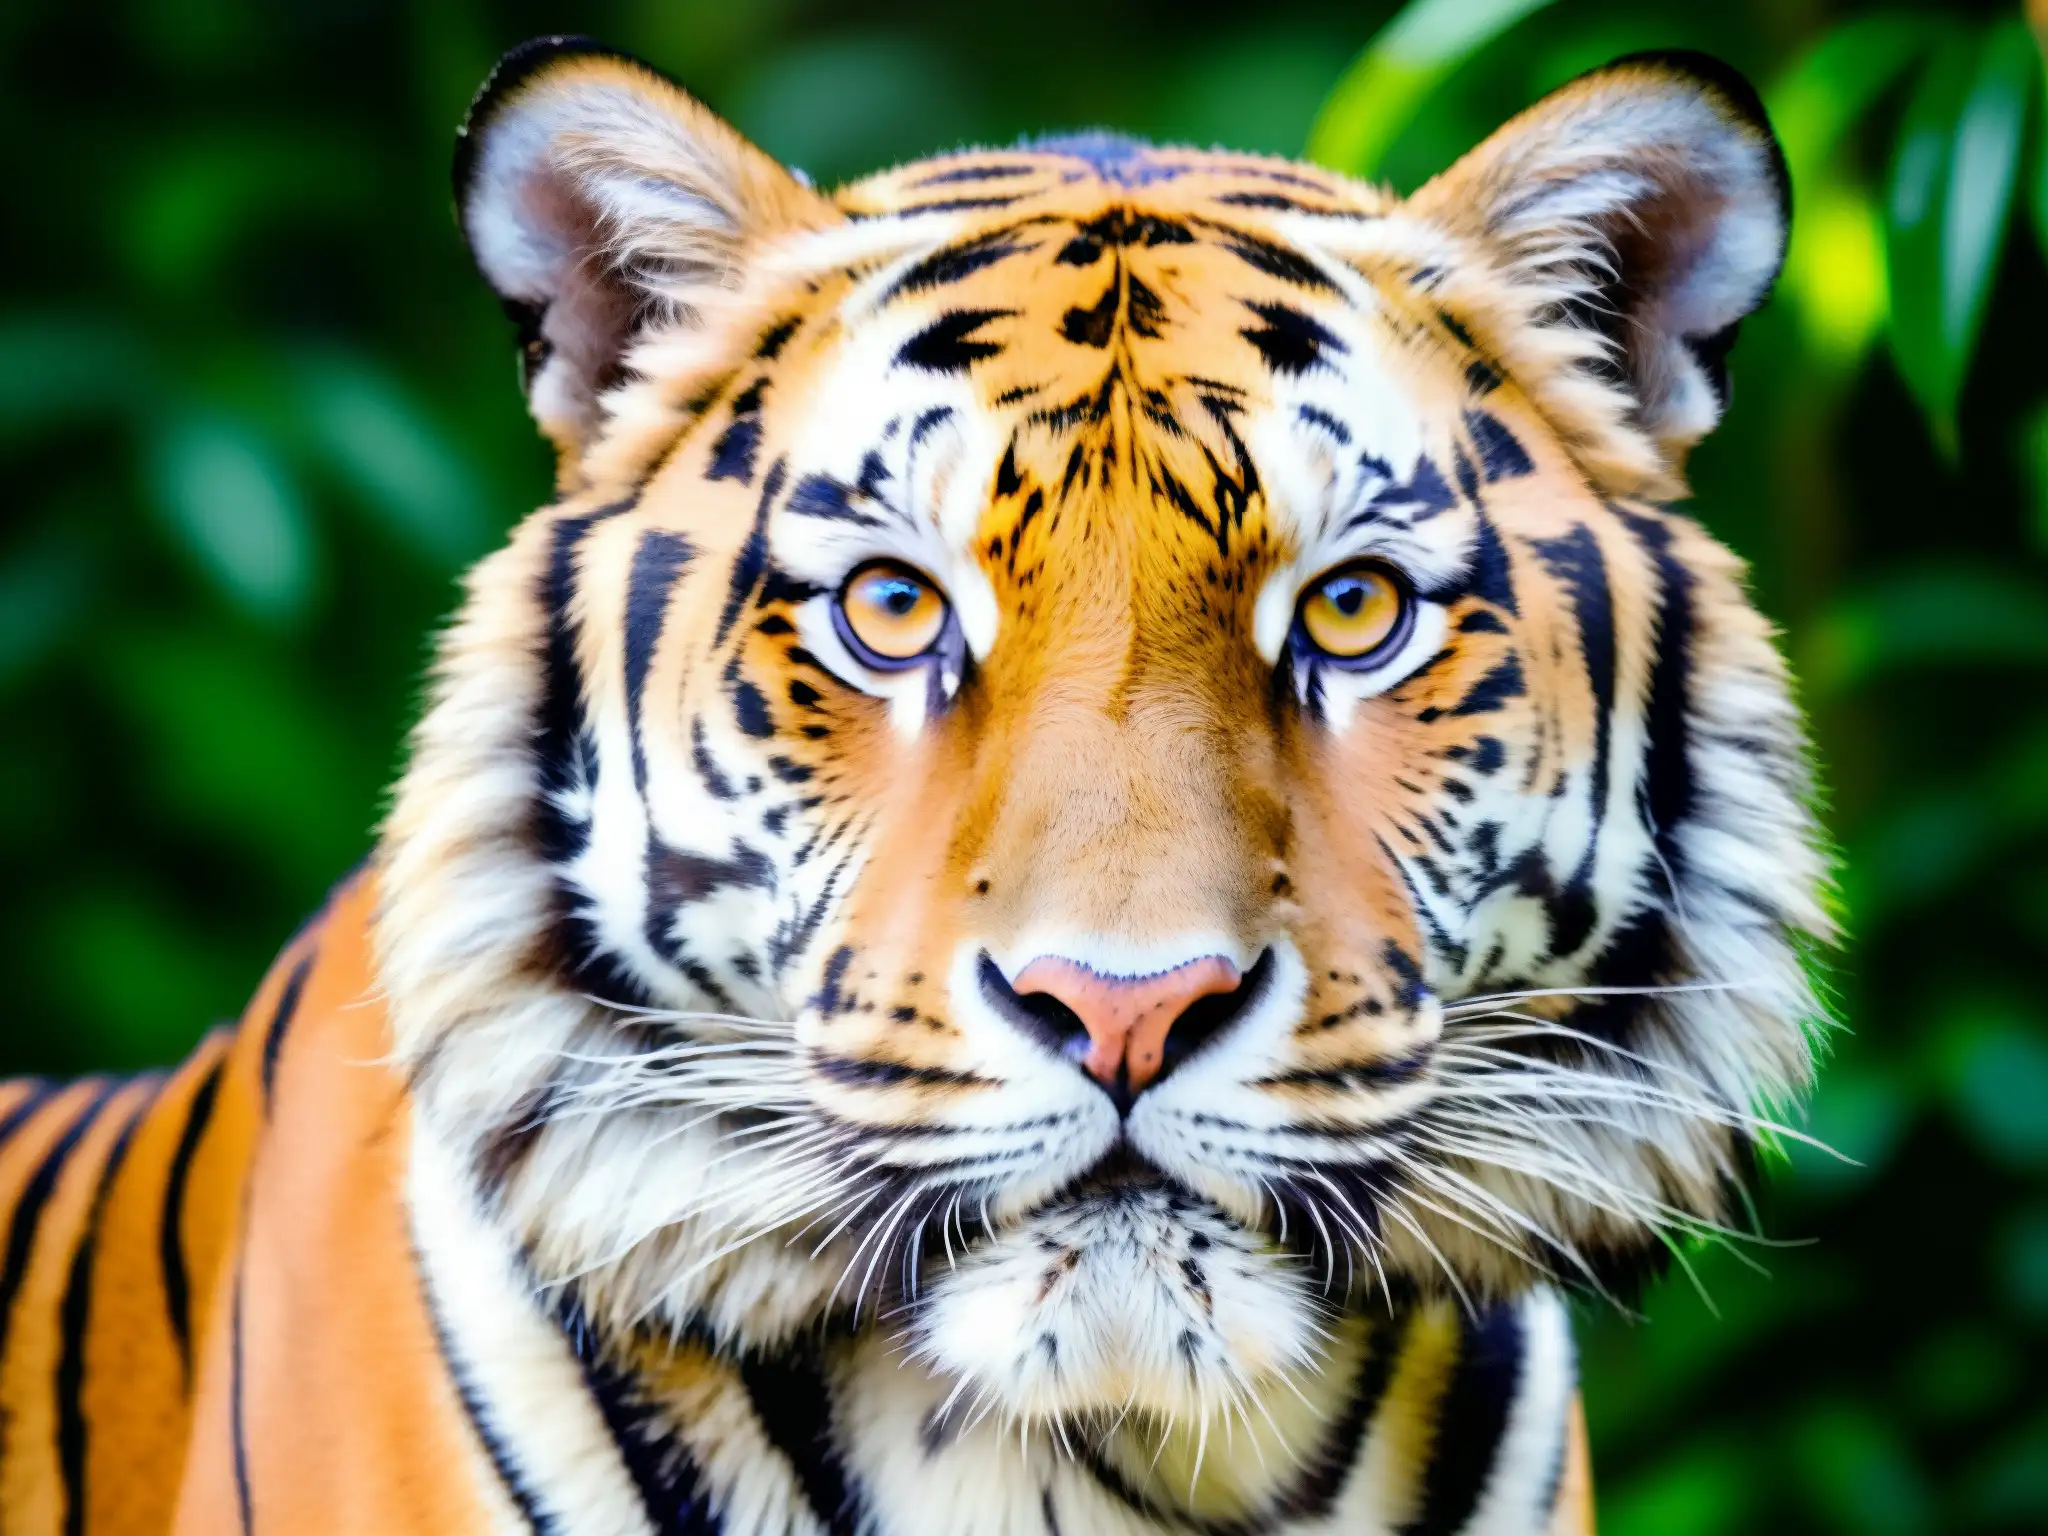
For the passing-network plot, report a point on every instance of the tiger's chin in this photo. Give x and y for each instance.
(1134, 1297)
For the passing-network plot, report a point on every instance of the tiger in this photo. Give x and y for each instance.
(1108, 845)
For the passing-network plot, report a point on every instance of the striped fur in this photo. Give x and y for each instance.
(652, 1140)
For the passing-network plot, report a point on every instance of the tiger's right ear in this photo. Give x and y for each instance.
(598, 198)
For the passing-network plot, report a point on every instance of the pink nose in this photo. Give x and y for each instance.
(1127, 1017)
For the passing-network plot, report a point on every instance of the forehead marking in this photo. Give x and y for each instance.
(658, 560)
(948, 344)
(959, 261)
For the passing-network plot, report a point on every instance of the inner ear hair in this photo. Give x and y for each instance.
(600, 200)
(1626, 224)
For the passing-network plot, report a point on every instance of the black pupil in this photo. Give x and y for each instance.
(899, 596)
(1347, 595)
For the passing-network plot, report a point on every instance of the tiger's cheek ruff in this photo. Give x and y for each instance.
(548, 1081)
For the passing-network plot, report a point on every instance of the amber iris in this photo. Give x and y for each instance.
(893, 613)
(1354, 611)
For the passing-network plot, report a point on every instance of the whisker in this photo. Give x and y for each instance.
(1670, 989)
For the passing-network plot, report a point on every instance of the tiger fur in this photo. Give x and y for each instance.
(663, 1134)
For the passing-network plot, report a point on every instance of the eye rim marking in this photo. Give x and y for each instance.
(1388, 644)
(859, 647)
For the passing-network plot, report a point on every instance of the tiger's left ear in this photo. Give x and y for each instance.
(600, 199)
(1626, 224)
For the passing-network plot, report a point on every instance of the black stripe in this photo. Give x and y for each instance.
(1668, 789)
(657, 561)
(1470, 1422)
(37, 1096)
(280, 1021)
(856, 1072)
(1576, 561)
(793, 1401)
(1316, 416)
(1492, 691)
(1324, 1472)
(1317, 1493)
(74, 1314)
(732, 456)
(980, 173)
(948, 344)
(954, 263)
(171, 1227)
(671, 1489)
(1501, 454)
(822, 496)
(28, 1209)
(561, 756)
(1276, 260)
(537, 1519)
(752, 561)
(949, 205)
(236, 1431)
(1291, 340)
(1267, 200)
(1492, 577)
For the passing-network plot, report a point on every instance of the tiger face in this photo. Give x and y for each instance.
(1109, 752)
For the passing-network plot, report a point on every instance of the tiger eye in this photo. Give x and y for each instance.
(1354, 611)
(892, 613)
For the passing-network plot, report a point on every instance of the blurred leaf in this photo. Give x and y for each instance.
(1861, 1113)
(1835, 269)
(1951, 191)
(395, 458)
(851, 105)
(691, 38)
(235, 507)
(1857, 1468)
(1411, 55)
(1557, 55)
(1648, 1370)
(2034, 468)
(200, 197)
(1959, 1374)
(1930, 844)
(1703, 1491)
(2037, 195)
(140, 968)
(1255, 91)
(42, 590)
(196, 36)
(2023, 1260)
(2010, 1482)
(56, 368)
(1997, 1071)
(1932, 615)
(240, 748)
(1825, 93)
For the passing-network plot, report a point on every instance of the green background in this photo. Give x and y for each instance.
(256, 414)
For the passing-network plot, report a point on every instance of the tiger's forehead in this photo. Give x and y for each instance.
(1098, 317)
(1073, 170)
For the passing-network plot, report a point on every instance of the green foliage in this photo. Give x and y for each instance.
(256, 414)
(1412, 55)
(1951, 189)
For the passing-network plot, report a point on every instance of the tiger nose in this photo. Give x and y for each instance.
(1127, 1017)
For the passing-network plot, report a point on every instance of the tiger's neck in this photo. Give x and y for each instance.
(1424, 1419)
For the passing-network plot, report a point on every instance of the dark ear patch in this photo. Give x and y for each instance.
(599, 199)
(1644, 206)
